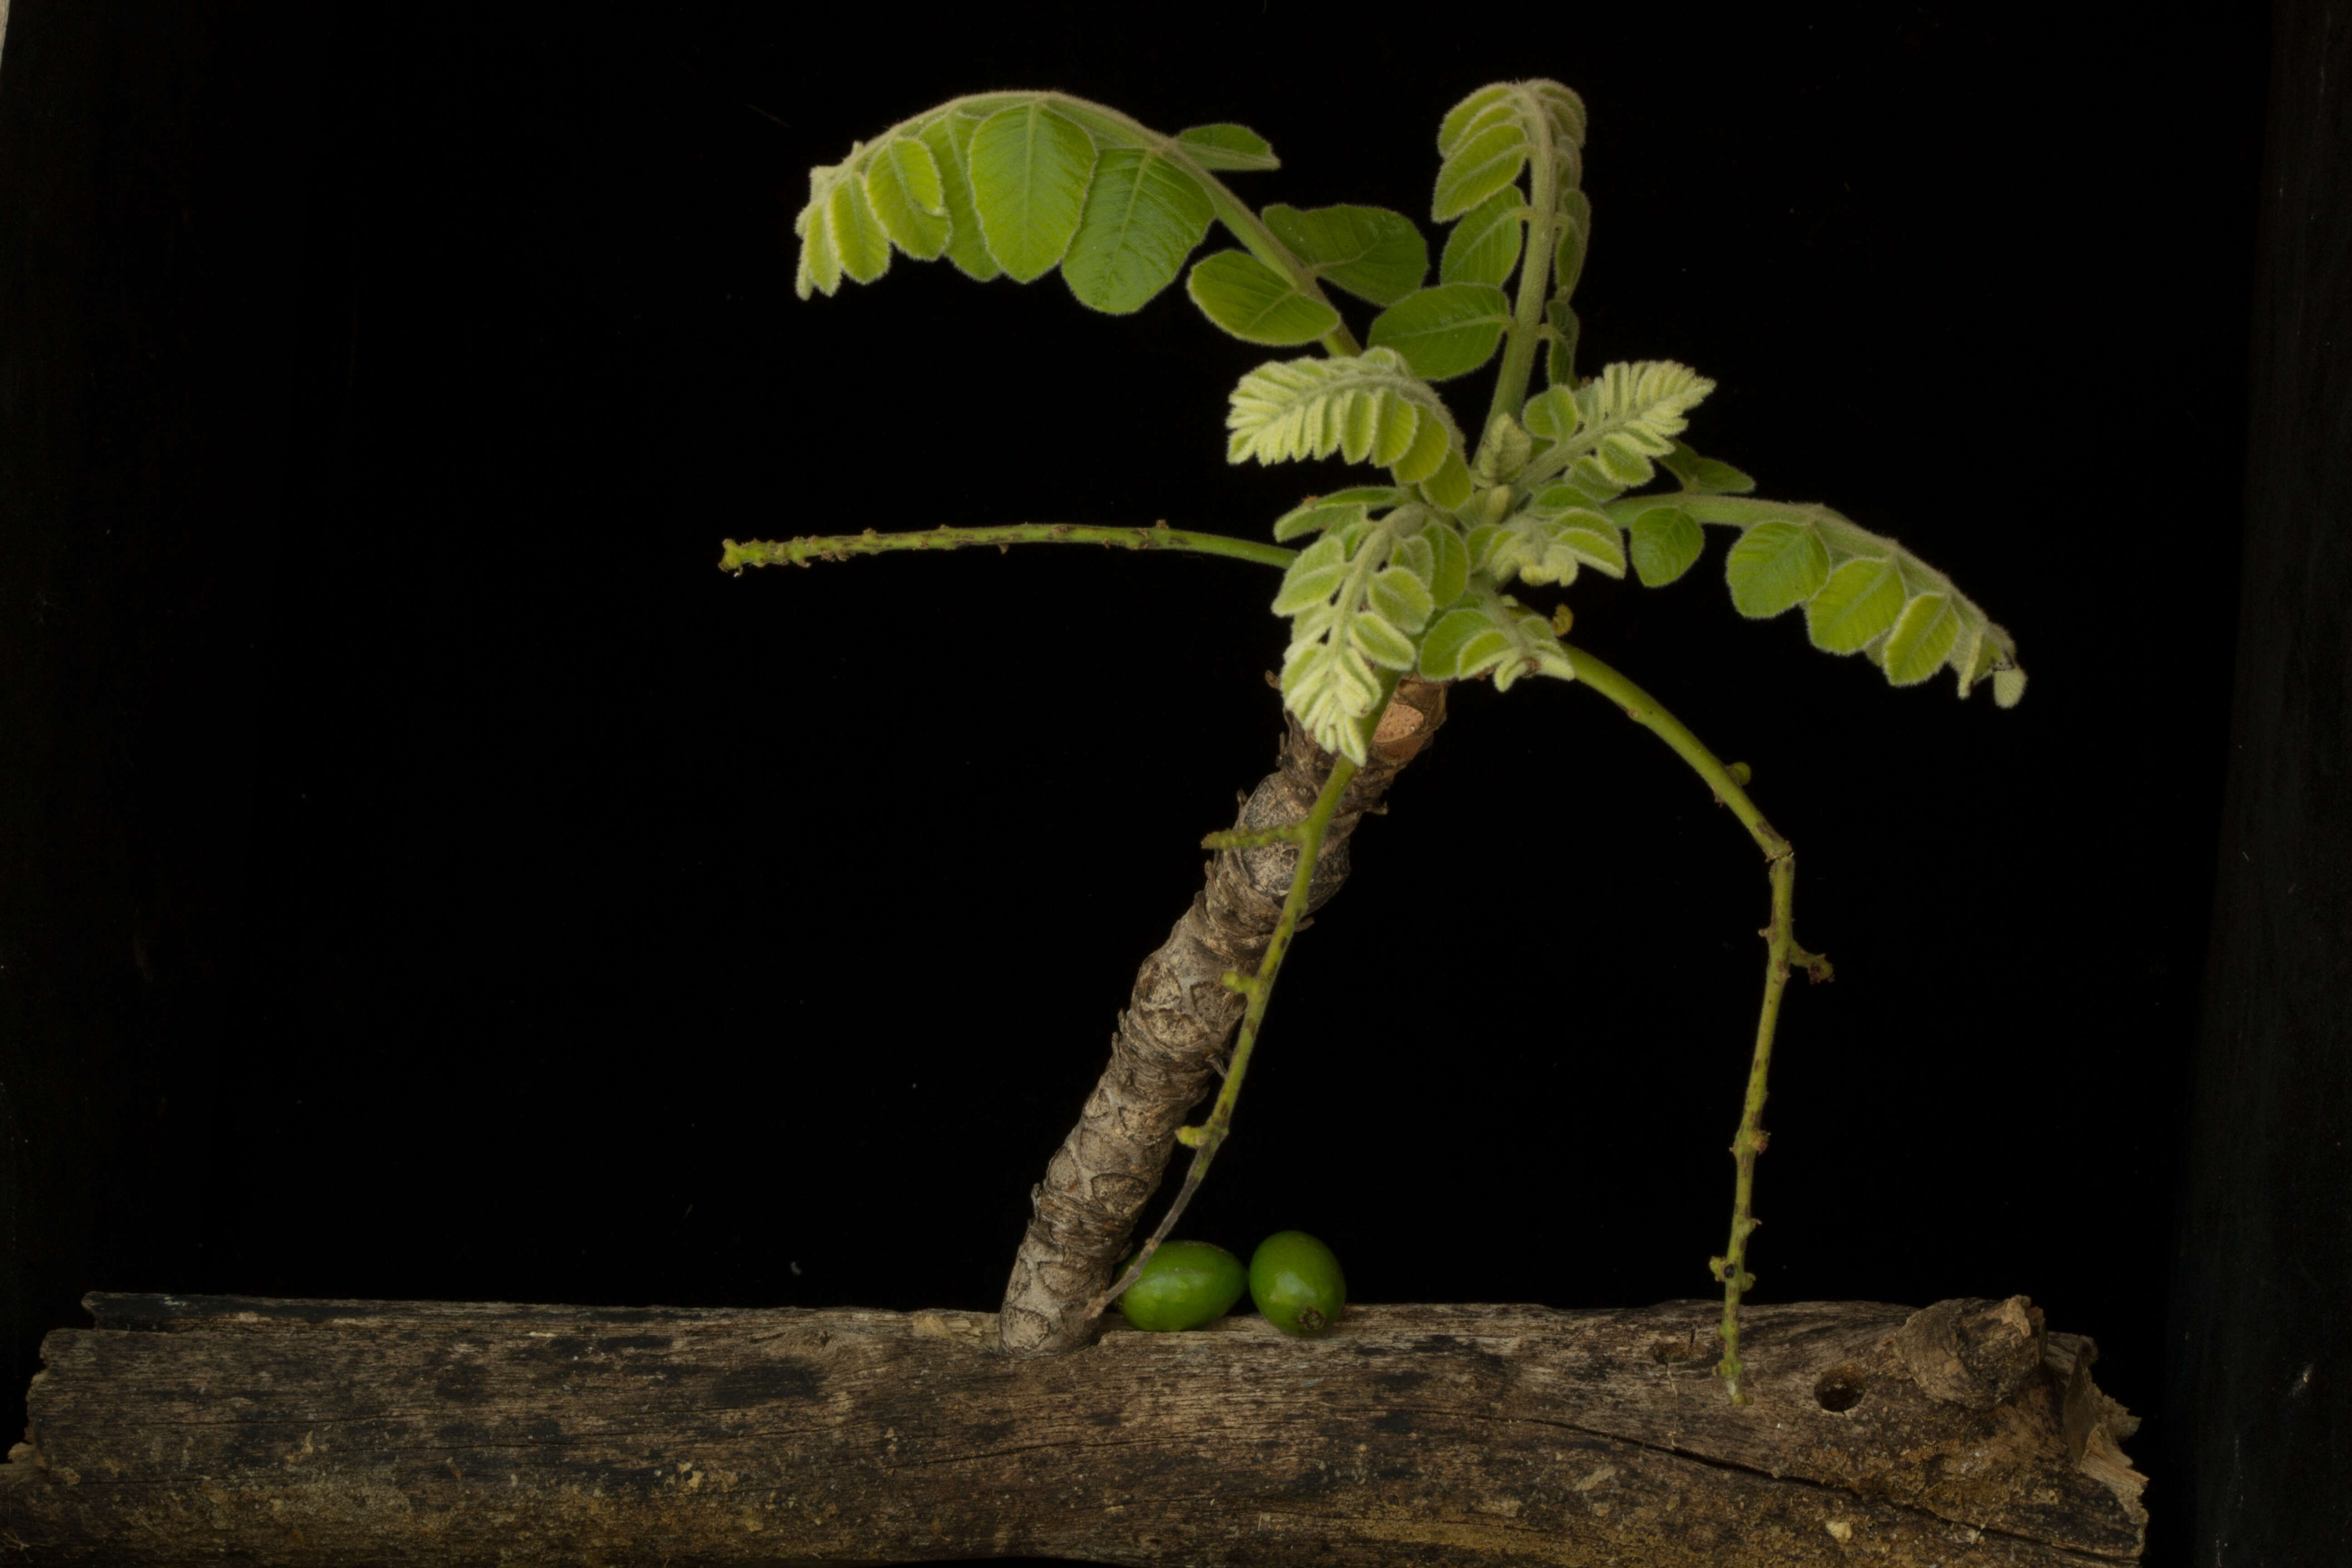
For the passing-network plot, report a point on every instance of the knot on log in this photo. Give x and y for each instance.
(1974, 1353)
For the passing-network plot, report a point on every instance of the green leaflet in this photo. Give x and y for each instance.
(1233, 148)
(1444, 331)
(1861, 600)
(1318, 517)
(1459, 119)
(1143, 216)
(857, 235)
(1369, 408)
(1775, 565)
(1030, 168)
(1485, 246)
(1620, 456)
(1449, 570)
(1559, 363)
(1449, 485)
(1482, 164)
(1665, 542)
(1254, 302)
(1703, 475)
(1922, 635)
(1371, 252)
(949, 139)
(1551, 416)
(1503, 451)
(819, 271)
(1496, 635)
(902, 186)
(1568, 251)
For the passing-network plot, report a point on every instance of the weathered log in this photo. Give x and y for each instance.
(396, 1432)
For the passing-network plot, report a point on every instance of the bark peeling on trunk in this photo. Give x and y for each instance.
(1178, 1028)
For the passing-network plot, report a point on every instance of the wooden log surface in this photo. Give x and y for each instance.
(374, 1432)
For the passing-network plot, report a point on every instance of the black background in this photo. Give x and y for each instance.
(426, 876)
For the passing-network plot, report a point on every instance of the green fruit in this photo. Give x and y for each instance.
(1185, 1285)
(1297, 1283)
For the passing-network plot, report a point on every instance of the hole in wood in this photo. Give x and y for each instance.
(1840, 1388)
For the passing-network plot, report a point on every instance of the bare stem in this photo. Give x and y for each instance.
(1781, 953)
(734, 557)
(1206, 1139)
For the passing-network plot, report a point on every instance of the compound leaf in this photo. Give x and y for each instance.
(1369, 408)
(1143, 216)
(1495, 635)
(1254, 302)
(1030, 169)
(1371, 252)
(1444, 331)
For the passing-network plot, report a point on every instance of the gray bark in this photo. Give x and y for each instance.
(1178, 1028)
(285, 1433)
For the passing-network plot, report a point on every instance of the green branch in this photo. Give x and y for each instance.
(1781, 953)
(1205, 1139)
(800, 552)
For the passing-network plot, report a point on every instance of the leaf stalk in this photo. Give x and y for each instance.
(800, 552)
(1781, 954)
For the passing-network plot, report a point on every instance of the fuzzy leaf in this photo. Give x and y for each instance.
(1922, 635)
(1542, 549)
(2008, 685)
(1254, 302)
(1499, 636)
(1559, 361)
(1551, 416)
(902, 185)
(1473, 110)
(1030, 168)
(1664, 543)
(1449, 485)
(949, 139)
(1444, 331)
(857, 235)
(1371, 252)
(1482, 164)
(1369, 408)
(1449, 570)
(1143, 216)
(1568, 251)
(1503, 451)
(1485, 246)
(1861, 600)
(1403, 600)
(1234, 148)
(1315, 576)
(1775, 565)
(1318, 517)
(1703, 475)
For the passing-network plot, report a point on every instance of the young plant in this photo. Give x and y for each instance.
(1401, 585)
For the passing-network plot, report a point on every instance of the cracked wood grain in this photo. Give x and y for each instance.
(287, 1433)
